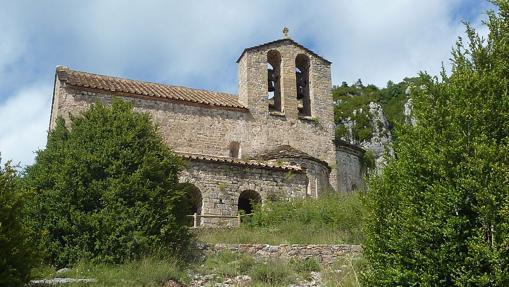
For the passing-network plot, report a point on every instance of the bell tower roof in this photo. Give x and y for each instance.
(286, 41)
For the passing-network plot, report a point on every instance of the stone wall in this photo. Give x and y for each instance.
(325, 254)
(349, 168)
(209, 131)
(317, 174)
(221, 184)
(313, 135)
(185, 128)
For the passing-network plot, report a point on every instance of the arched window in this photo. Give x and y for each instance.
(302, 84)
(247, 200)
(235, 149)
(274, 81)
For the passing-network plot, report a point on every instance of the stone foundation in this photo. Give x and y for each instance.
(325, 254)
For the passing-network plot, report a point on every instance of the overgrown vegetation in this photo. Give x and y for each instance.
(368, 161)
(216, 268)
(149, 272)
(331, 219)
(104, 190)
(439, 213)
(17, 253)
(352, 102)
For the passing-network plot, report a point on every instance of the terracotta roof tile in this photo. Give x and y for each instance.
(234, 161)
(140, 88)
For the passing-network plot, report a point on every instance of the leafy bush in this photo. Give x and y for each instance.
(368, 160)
(17, 252)
(438, 214)
(104, 189)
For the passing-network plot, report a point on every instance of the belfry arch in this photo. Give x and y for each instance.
(302, 85)
(274, 81)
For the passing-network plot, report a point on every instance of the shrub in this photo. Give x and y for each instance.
(334, 211)
(105, 189)
(17, 254)
(438, 214)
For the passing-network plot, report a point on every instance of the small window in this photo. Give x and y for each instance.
(235, 149)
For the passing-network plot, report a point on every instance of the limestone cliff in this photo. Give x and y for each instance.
(366, 116)
(378, 142)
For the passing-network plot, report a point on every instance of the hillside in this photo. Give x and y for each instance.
(367, 115)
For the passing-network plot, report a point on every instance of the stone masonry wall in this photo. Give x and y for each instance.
(185, 128)
(221, 185)
(204, 130)
(317, 174)
(349, 170)
(190, 128)
(325, 254)
(313, 135)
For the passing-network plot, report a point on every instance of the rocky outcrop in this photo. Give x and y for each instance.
(379, 142)
(407, 112)
(381, 138)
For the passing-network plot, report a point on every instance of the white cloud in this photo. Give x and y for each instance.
(24, 124)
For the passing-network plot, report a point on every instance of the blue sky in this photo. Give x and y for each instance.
(196, 44)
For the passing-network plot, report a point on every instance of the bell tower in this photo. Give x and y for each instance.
(285, 79)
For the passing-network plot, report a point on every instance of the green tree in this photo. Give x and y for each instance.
(439, 212)
(104, 189)
(17, 253)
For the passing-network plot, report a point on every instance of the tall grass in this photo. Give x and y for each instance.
(333, 218)
(145, 272)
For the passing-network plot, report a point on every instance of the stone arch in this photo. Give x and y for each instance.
(247, 200)
(274, 81)
(193, 199)
(234, 149)
(302, 84)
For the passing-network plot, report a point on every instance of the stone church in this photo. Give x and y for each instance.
(273, 140)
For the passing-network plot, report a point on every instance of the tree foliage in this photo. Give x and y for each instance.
(104, 189)
(17, 253)
(439, 212)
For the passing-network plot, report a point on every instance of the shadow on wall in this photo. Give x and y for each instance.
(247, 200)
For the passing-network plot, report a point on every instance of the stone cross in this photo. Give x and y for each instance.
(285, 32)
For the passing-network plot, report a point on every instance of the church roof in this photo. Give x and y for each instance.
(287, 151)
(288, 41)
(346, 145)
(240, 162)
(135, 88)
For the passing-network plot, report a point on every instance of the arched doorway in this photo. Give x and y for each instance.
(192, 200)
(247, 200)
